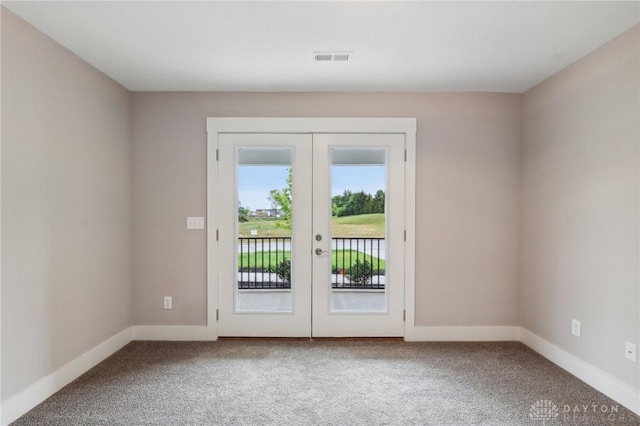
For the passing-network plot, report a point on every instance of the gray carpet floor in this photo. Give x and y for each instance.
(326, 382)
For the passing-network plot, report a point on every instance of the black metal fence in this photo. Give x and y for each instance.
(358, 263)
(262, 263)
(265, 263)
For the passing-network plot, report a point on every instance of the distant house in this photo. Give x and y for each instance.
(267, 213)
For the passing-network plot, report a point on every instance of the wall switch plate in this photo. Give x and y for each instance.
(630, 351)
(195, 223)
(168, 302)
(575, 327)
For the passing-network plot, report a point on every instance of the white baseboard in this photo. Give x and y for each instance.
(19, 404)
(593, 376)
(462, 334)
(173, 332)
(28, 398)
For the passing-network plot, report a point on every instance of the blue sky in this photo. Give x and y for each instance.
(255, 182)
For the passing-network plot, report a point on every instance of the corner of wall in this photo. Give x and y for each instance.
(519, 283)
(1, 12)
(131, 202)
(25, 400)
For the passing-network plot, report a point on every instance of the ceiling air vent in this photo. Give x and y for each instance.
(332, 56)
(342, 57)
(323, 57)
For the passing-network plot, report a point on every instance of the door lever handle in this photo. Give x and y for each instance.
(320, 252)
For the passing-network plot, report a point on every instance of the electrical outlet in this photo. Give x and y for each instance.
(168, 302)
(575, 327)
(630, 351)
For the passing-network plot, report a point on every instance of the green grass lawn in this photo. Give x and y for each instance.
(344, 259)
(265, 228)
(360, 219)
(340, 259)
(363, 225)
(262, 259)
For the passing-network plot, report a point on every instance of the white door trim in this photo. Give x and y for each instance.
(218, 125)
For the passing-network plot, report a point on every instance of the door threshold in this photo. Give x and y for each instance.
(357, 339)
(316, 339)
(256, 338)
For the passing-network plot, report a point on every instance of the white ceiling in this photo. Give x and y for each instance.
(267, 46)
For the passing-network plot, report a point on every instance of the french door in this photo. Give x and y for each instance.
(311, 235)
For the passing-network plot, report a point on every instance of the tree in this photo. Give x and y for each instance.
(284, 198)
(378, 202)
(355, 203)
(243, 213)
(339, 203)
(274, 204)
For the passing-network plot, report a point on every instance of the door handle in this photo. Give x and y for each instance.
(320, 252)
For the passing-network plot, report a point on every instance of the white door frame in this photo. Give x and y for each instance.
(218, 125)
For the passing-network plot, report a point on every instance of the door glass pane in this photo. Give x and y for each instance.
(264, 230)
(358, 189)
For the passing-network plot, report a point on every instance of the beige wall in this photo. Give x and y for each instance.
(467, 196)
(66, 206)
(580, 212)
